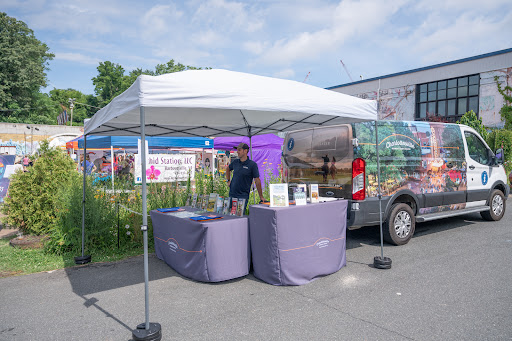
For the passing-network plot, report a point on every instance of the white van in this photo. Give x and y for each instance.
(428, 170)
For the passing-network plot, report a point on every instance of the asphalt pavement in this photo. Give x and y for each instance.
(453, 281)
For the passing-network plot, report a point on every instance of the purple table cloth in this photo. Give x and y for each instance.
(297, 244)
(207, 251)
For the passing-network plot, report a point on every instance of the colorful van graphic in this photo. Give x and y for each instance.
(428, 170)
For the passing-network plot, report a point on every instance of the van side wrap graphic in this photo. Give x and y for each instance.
(314, 244)
(165, 241)
(425, 158)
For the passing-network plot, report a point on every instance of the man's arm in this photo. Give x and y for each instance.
(257, 182)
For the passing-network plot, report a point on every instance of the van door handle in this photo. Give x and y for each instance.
(471, 167)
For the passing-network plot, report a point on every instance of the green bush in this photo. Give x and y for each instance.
(100, 218)
(31, 202)
(501, 138)
(471, 120)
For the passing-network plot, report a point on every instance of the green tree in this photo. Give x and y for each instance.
(60, 98)
(506, 110)
(109, 82)
(23, 62)
(471, 120)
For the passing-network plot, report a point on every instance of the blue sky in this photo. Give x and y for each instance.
(285, 39)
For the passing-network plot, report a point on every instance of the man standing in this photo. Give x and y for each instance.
(245, 171)
(89, 166)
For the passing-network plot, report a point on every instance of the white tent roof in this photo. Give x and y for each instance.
(224, 103)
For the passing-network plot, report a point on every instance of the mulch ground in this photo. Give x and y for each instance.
(28, 242)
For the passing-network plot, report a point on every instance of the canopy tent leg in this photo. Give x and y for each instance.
(380, 262)
(147, 330)
(83, 259)
(112, 166)
(250, 149)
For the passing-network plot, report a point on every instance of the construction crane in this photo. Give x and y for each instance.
(346, 70)
(304, 81)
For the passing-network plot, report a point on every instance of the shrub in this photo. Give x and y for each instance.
(100, 218)
(471, 120)
(32, 200)
(501, 138)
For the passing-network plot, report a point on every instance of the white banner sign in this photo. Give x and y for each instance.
(166, 167)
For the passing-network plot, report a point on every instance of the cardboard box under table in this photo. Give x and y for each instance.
(206, 251)
(297, 244)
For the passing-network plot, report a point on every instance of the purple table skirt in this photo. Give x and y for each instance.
(209, 251)
(297, 244)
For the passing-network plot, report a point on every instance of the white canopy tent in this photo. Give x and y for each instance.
(211, 103)
(175, 105)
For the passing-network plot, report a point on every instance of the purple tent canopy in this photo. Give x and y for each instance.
(267, 141)
(266, 151)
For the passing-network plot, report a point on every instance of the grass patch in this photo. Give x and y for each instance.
(15, 261)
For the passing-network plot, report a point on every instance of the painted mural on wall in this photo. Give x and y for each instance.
(491, 101)
(394, 104)
(423, 157)
(22, 148)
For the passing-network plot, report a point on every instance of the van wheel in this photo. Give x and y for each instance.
(497, 204)
(400, 225)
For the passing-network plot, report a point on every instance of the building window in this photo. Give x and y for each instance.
(447, 99)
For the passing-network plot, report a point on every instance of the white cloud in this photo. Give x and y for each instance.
(439, 39)
(255, 47)
(284, 73)
(350, 20)
(159, 22)
(77, 57)
(210, 38)
(227, 16)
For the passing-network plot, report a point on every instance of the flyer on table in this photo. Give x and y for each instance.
(279, 195)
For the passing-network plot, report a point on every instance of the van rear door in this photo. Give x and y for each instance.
(331, 156)
(320, 156)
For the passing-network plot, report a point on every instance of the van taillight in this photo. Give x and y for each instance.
(358, 179)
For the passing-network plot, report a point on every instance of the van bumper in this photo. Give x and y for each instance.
(365, 212)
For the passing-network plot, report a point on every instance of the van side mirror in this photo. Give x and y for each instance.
(500, 156)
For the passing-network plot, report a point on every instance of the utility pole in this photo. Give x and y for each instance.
(31, 139)
(71, 106)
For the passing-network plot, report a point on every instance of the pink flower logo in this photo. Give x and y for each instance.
(152, 173)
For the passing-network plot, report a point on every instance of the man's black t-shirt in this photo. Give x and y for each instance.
(244, 173)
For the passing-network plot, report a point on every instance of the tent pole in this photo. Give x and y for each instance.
(145, 331)
(83, 259)
(380, 262)
(250, 148)
(112, 166)
(144, 210)
(380, 193)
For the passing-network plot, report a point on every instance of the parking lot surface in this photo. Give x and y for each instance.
(453, 281)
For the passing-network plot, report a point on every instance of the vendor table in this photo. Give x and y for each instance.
(296, 244)
(206, 251)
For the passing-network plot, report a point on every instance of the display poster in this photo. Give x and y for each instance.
(313, 193)
(299, 195)
(279, 195)
(166, 167)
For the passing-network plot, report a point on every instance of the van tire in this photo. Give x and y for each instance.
(497, 205)
(400, 224)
